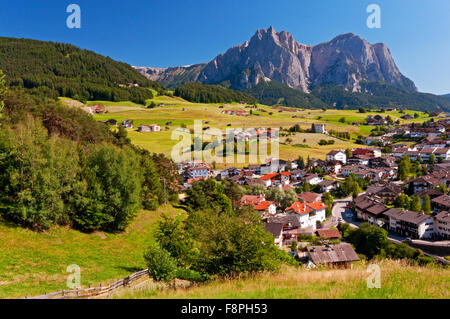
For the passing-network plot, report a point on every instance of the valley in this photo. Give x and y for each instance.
(180, 112)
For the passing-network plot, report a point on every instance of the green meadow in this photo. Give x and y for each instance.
(35, 263)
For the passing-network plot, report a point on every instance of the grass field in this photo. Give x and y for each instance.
(180, 112)
(398, 280)
(34, 263)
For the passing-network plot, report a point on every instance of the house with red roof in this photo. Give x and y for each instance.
(99, 108)
(259, 204)
(308, 214)
(276, 179)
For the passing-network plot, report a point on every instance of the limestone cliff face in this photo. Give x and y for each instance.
(269, 55)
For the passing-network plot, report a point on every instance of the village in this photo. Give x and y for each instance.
(307, 225)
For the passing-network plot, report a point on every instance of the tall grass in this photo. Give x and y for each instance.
(399, 279)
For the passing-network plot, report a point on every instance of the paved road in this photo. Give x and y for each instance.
(340, 210)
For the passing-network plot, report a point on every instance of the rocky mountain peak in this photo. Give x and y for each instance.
(346, 60)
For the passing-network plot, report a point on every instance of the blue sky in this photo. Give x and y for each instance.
(173, 32)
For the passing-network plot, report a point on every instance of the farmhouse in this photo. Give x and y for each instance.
(327, 186)
(319, 128)
(340, 256)
(127, 124)
(149, 128)
(337, 156)
(329, 234)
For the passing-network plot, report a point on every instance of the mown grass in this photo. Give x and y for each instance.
(179, 112)
(399, 280)
(35, 263)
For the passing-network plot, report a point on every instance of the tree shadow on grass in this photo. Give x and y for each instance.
(131, 270)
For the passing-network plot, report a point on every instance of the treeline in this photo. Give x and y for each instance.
(59, 166)
(378, 95)
(201, 93)
(372, 242)
(57, 69)
(276, 93)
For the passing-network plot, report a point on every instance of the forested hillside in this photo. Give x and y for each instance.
(201, 93)
(276, 93)
(379, 95)
(59, 166)
(56, 69)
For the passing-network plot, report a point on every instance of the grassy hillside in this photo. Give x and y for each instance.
(34, 263)
(398, 280)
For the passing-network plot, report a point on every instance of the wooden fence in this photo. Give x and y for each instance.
(97, 291)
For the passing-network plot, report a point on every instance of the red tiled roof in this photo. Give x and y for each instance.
(263, 205)
(252, 199)
(269, 176)
(304, 208)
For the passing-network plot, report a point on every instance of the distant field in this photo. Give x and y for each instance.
(398, 281)
(34, 263)
(179, 112)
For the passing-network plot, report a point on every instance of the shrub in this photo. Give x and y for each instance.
(190, 275)
(161, 266)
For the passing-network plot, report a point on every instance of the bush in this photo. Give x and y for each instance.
(190, 275)
(161, 266)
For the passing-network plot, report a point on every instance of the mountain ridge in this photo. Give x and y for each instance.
(269, 55)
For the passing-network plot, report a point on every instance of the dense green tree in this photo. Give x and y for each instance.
(404, 168)
(112, 193)
(426, 206)
(415, 204)
(289, 198)
(208, 195)
(350, 186)
(234, 192)
(2, 92)
(161, 266)
(152, 192)
(432, 159)
(401, 201)
(348, 153)
(328, 199)
(301, 162)
(230, 245)
(172, 236)
(31, 194)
